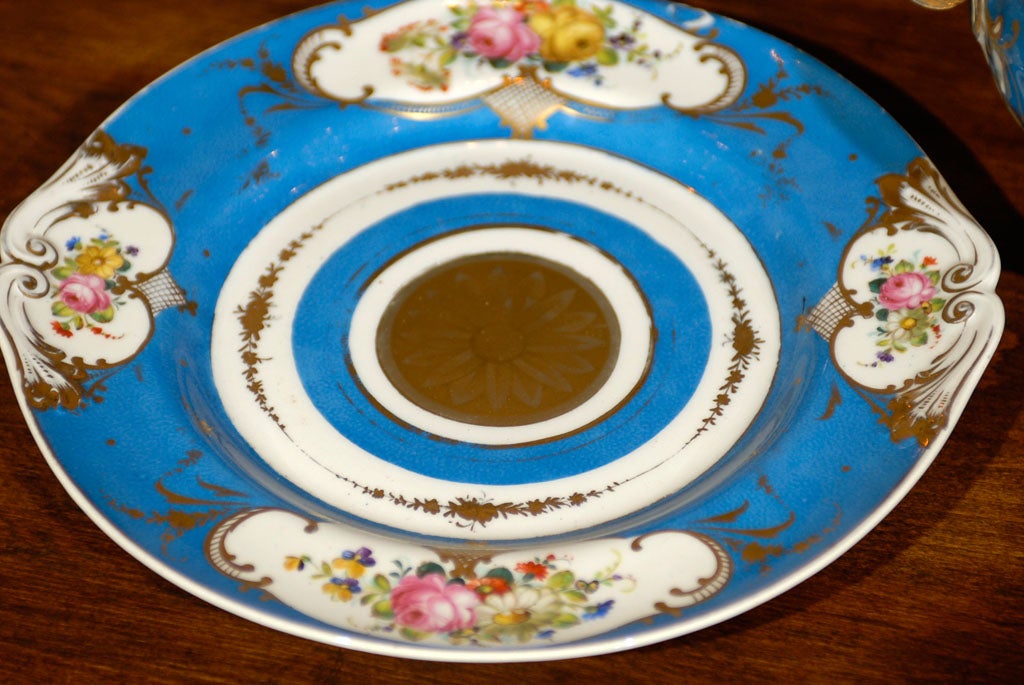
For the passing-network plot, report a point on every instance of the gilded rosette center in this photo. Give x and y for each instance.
(499, 339)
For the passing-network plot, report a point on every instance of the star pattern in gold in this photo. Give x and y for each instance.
(499, 339)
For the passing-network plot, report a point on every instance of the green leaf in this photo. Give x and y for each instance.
(607, 57)
(428, 568)
(525, 632)
(561, 580)
(414, 635)
(61, 309)
(903, 266)
(555, 66)
(575, 596)
(604, 15)
(920, 339)
(937, 303)
(933, 276)
(502, 573)
(105, 316)
(382, 609)
(565, 620)
(448, 56)
(381, 582)
(882, 314)
(876, 285)
(499, 62)
(62, 272)
(394, 43)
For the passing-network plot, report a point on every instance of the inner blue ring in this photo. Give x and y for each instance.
(682, 330)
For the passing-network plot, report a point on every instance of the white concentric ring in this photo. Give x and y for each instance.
(619, 288)
(285, 427)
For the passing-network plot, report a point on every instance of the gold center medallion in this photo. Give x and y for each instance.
(499, 339)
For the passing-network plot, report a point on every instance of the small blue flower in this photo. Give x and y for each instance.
(72, 243)
(583, 70)
(878, 263)
(598, 611)
(351, 583)
(885, 356)
(131, 250)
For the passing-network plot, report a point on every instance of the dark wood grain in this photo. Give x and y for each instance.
(935, 593)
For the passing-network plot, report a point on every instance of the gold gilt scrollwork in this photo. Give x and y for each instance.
(83, 270)
(913, 313)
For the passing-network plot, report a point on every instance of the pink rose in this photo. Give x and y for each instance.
(431, 605)
(85, 293)
(906, 291)
(501, 33)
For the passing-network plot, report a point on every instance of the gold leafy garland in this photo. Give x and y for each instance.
(746, 344)
(468, 512)
(255, 316)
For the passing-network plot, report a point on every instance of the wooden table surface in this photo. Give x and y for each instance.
(935, 592)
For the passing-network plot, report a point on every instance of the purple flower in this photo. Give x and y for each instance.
(622, 41)
(362, 555)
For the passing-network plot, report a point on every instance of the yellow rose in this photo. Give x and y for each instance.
(567, 34)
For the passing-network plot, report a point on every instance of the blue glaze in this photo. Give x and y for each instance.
(680, 319)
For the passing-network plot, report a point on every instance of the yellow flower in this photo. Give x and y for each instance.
(567, 33)
(101, 261)
(341, 592)
(351, 567)
(294, 563)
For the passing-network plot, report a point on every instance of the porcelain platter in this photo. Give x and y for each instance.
(495, 333)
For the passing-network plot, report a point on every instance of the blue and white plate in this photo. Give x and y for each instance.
(495, 332)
